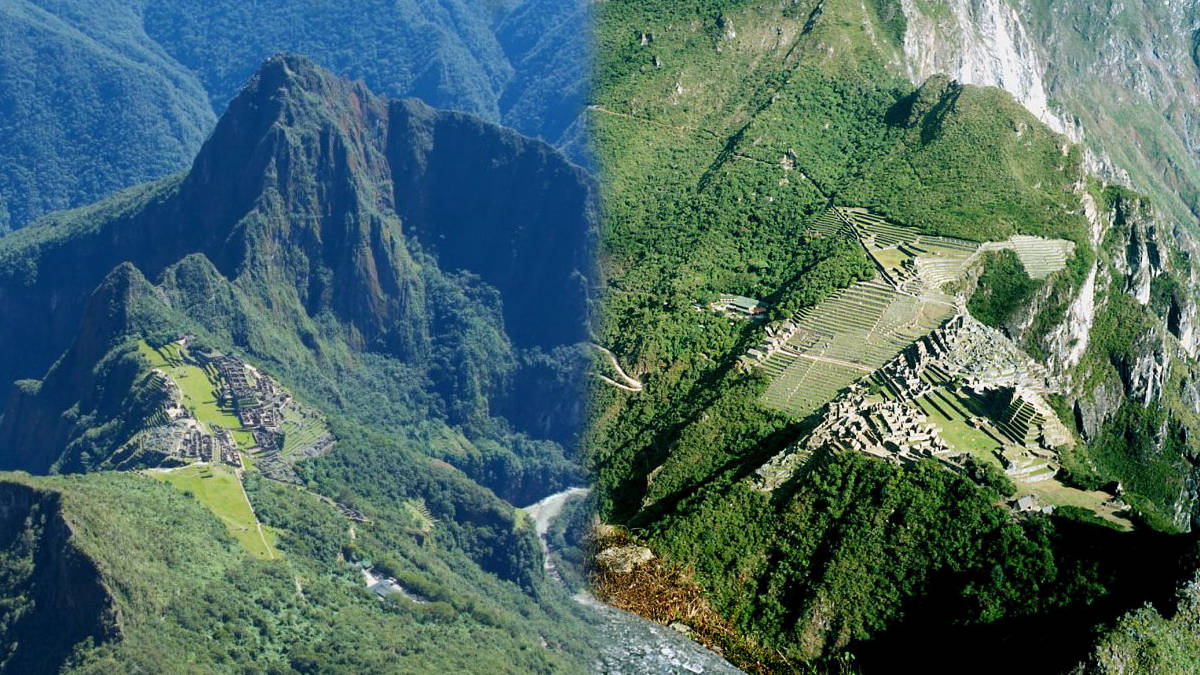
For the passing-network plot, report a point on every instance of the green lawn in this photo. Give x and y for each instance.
(964, 438)
(955, 430)
(892, 259)
(219, 488)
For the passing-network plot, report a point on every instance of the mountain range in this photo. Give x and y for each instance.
(100, 96)
(814, 212)
(872, 325)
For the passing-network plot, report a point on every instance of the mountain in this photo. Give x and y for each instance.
(100, 96)
(1119, 77)
(290, 365)
(911, 317)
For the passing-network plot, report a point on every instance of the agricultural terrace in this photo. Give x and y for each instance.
(916, 262)
(1041, 257)
(857, 330)
(219, 488)
(302, 428)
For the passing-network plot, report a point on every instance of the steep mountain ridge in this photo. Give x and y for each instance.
(1122, 81)
(286, 241)
(175, 66)
(1120, 77)
(513, 253)
(284, 253)
(71, 419)
(53, 595)
(299, 176)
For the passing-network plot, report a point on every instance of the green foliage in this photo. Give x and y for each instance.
(847, 552)
(1147, 450)
(722, 129)
(175, 574)
(1004, 288)
(569, 540)
(1146, 641)
(90, 107)
(989, 476)
(312, 281)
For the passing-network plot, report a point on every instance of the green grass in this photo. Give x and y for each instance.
(956, 431)
(219, 488)
(892, 259)
(949, 411)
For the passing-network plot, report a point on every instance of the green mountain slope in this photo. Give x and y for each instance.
(304, 265)
(1120, 76)
(101, 96)
(725, 130)
(190, 598)
(71, 89)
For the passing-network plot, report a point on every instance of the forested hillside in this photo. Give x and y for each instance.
(154, 582)
(99, 96)
(726, 130)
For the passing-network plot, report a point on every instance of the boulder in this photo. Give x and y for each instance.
(623, 559)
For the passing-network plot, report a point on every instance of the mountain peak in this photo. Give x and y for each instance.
(298, 197)
(290, 101)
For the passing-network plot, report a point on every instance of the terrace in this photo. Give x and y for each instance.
(837, 342)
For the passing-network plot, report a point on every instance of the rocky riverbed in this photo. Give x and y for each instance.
(631, 644)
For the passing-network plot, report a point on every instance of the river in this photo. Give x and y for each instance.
(631, 644)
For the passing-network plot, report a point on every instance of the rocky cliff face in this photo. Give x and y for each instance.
(979, 42)
(1121, 78)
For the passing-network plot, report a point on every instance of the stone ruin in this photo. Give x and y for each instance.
(896, 431)
(984, 361)
(259, 404)
(962, 353)
(777, 336)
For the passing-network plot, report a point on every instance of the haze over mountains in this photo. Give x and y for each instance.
(99, 96)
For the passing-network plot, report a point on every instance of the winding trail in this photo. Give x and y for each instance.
(631, 383)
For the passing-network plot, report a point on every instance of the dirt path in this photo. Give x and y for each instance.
(257, 525)
(631, 383)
